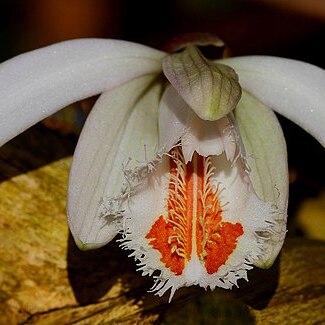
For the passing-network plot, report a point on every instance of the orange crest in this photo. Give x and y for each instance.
(194, 225)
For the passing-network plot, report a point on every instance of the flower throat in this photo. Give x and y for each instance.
(193, 228)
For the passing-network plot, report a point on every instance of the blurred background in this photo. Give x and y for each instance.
(288, 28)
(292, 28)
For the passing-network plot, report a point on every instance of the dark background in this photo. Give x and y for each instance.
(249, 27)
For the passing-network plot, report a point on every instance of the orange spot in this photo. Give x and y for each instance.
(223, 239)
(194, 225)
(160, 232)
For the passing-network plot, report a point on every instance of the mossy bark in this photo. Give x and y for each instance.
(45, 279)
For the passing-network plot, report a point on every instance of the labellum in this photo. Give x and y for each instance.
(194, 232)
(195, 216)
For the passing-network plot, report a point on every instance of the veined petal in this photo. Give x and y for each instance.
(210, 89)
(120, 133)
(178, 122)
(37, 84)
(292, 88)
(266, 154)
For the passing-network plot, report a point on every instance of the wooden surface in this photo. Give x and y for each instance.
(45, 279)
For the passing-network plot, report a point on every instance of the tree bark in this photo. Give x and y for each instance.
(45, 279)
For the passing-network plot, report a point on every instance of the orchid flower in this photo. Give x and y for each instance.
(181, 155)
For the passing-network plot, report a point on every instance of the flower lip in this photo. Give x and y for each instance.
(198, 222)
(194, 229)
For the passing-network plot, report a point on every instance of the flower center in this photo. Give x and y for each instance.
(193, 227)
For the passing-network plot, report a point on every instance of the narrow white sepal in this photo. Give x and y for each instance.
(292, 88)
(120, 134)
(36, 84)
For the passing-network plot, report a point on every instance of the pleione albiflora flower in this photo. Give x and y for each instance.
(182, 155)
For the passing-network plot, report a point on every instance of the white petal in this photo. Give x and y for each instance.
(37, 84)
(292, 88)
(267, 158)
(120, 133)
(178, 121)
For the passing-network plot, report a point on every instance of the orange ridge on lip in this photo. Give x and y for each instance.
(194, 225)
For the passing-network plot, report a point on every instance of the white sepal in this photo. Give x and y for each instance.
(292, 88)
(120, 133)
(36, 84)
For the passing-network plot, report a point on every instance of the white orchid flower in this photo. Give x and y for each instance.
(184, 159)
